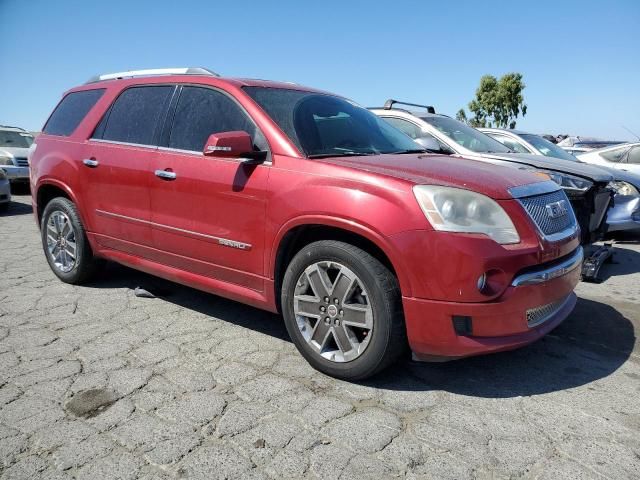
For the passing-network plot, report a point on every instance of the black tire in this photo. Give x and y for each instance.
(85, 262)
(388, 338)
(4, 206)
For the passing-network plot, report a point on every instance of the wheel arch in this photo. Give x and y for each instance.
(50, 189)
(299, 233)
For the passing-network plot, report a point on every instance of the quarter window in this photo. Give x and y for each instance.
(203, 111)
(71, 111)
(135, 115)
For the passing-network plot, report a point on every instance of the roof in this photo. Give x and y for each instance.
(507, 130)
(10, 128)
(188, 74)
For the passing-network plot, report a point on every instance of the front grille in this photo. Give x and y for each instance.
(538, 315)
(22, 162)
(537, 209)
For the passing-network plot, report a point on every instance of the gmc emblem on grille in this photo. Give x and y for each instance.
(557, 209)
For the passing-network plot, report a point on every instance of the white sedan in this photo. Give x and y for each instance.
(621, 157)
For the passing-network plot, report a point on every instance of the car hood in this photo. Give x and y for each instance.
(426, 169)
(19, 152)
(595, 174)
(623, 175)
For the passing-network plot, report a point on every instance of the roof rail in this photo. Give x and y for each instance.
(388, 105)
(153, 71)
(11, 126)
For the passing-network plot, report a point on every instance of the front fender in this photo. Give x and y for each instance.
(351, 226)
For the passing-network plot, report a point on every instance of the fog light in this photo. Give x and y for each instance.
(482, 282)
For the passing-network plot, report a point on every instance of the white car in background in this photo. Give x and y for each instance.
(14, 147)
(621, 157)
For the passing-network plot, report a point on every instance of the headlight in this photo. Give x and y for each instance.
(456, 210)
(5, 160)
(2, 174)
(623, 188)
(569, 182)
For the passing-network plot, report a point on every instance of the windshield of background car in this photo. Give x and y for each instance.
(9, 138)
(324, 125)
(466, 136)
(547, 148)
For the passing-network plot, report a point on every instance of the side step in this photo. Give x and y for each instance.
(594, 258)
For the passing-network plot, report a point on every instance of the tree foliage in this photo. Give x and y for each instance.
(498, 103)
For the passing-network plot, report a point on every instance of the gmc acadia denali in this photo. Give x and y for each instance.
(301, 202)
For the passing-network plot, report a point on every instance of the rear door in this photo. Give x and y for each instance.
(117, 167)
(208, 213)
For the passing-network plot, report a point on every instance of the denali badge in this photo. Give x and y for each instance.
(557, 209)
(234, 244)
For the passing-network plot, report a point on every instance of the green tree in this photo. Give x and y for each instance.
(461, 116)
(498, 103)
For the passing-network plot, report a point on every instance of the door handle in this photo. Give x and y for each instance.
(90, 162)
(165, 175)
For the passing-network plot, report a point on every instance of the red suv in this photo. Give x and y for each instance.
(301, 202)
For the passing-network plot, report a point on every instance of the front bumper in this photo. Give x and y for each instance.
(625, 214)
(5, 191)
(16, 174)
(537, 301)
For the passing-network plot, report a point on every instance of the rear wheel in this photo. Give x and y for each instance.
(65, 243)
(342, 309)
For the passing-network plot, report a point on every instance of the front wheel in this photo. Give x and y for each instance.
(65, 242)
(343, 310)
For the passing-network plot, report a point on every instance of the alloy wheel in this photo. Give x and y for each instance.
(332, 311)
(61, 241)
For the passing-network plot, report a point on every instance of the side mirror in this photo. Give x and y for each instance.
(429, 143)
(229, 145)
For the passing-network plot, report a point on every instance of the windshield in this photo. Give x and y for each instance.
(466, 136)
(547, 148)
(324, 125)
(10, 138)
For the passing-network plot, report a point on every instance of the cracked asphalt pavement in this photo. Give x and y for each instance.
(96, 383)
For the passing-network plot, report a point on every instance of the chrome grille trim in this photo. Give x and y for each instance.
(538, 315)
(22, 161)
(552, 229)
(549, 273)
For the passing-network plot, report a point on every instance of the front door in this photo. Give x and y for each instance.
(208, 212)
(117, 166)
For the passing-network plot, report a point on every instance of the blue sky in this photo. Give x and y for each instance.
(580, 60)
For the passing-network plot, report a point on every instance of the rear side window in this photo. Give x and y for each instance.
(203, 111)
(135, 115)
(70, 111)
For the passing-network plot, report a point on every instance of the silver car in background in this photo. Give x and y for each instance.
(625, 213)
(5, 191)
(14, 147)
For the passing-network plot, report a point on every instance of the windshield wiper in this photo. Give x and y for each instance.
(341, 154)
(414, 150)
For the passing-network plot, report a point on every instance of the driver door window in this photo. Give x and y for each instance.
(511, 143)
(202, 111)
(615, 155)
(634, 156)
(408, 128)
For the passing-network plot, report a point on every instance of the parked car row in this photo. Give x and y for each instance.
(625, 213)
(371, 232)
